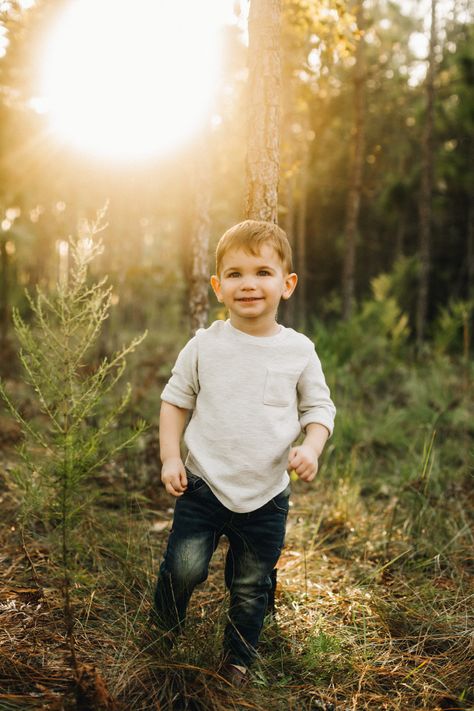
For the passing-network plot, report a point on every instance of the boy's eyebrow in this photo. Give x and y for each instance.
(258, 267)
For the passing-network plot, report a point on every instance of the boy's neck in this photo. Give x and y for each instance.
(253, 327)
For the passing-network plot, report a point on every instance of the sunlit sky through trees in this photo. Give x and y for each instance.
(419, 41)
(143, 83)
(147, 110)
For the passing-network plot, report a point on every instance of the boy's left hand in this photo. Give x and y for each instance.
(303, 461)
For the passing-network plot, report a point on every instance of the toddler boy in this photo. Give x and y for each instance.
(252, 386)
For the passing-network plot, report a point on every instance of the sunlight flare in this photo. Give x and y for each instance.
(131, 80)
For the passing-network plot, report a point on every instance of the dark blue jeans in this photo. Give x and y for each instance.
(255, 543)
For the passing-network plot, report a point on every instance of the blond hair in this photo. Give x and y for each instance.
(250, 236)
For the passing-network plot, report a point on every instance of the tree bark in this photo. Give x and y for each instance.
(470, 253)
(301, 243)
(199, 277)
(288, 308)
(400, 235)
(426, 191)
(356, 171)
(264, 84)
(4, 305)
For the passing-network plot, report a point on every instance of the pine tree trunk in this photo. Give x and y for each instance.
(425, 209)
(288, 172)
(287, 308)
(199, 277)
(356, 171)
(470, 252)
(5, 355)
(400, 235)
(301, 243)
(263, 144)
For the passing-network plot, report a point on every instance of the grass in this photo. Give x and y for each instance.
(375, 597)
(353, 628)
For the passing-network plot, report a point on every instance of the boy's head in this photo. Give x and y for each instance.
(253, 273)
(250, 236)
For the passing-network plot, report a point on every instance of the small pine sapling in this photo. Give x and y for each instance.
(75, 432)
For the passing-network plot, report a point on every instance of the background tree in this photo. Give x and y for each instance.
(453, 273)
(426, 189)
(4, 293)
(199, 276)
(264, 81)
(356, 165)
(314, 35)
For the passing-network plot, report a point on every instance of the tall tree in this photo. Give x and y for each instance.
(426, 191)
(301, 258)
(312, 41)
(356, 169)
(199, 279)
(4, 305)
(263, 143)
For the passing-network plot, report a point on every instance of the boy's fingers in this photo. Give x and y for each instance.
(294, 459)
(304, 472)
(174, 484)
(171, 490)
(183, 479)
(302, 464)
(309, 473)
(305, 469)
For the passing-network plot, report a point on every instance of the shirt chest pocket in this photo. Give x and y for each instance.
(280, 388)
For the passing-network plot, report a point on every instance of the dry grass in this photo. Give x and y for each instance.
(364, 620)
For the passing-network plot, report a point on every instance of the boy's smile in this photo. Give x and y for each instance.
(251, 287)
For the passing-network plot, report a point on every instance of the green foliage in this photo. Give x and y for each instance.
(320, 650)
(75, 427)
(403, 425)
(376, 334)
(452, 329)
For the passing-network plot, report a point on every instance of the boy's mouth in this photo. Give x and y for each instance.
(248, 299)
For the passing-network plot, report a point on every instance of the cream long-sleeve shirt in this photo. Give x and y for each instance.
(251, 397)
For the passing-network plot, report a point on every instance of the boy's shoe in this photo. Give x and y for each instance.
(234, 674)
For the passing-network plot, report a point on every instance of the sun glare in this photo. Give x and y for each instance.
(130, 80)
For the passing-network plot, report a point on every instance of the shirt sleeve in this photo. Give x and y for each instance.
(314, 399)
(183, 386)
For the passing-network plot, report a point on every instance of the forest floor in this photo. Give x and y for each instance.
(374, 604)
(364, 619)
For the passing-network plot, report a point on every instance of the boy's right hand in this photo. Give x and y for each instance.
(173, 476)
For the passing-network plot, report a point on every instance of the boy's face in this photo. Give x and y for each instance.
(251, 286)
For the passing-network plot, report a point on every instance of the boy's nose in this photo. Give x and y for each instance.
(248, 284)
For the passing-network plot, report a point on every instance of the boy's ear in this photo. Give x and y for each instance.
(291, 281)
(216, 287)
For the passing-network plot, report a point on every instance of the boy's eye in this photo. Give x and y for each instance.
(263, 272)
(233, 274)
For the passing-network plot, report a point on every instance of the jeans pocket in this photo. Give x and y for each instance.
(195, 483)
(281, 501)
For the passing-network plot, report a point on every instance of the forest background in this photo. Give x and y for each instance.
(374, 606)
